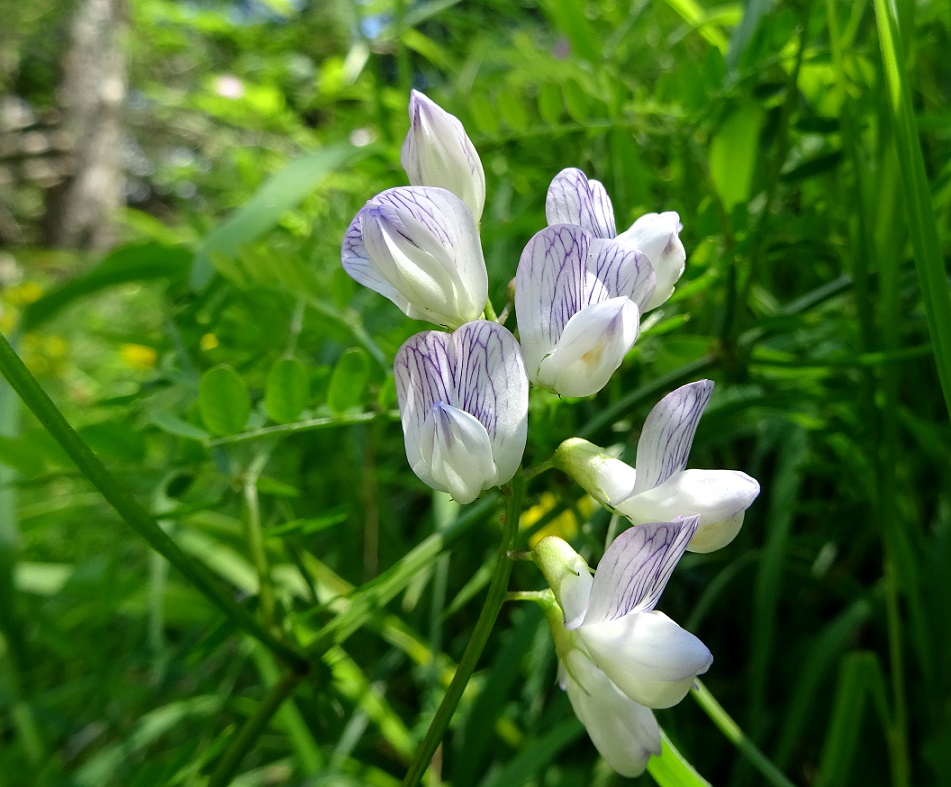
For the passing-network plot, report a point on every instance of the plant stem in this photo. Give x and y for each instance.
(732, 732)
(252, 525)
(498, 587)
(244, 740)
(130, 510)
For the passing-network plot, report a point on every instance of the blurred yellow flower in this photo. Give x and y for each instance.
(565, 525)
(138, 356)
(208, 342)
(22, 294)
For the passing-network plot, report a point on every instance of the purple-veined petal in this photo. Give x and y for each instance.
(656, 236)
(635, 568)
(573, 199)
(668, 432)
(591, 348)
(423, 374)
(438, 152)
(491, 384)
(622, 271)
(718, 497)
(562, 270)
(419, 247)
(648, 656)
(456, 453)
(477, 370)
(625, 733)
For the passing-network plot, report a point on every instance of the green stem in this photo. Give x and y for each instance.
(244, 740)
(498, 588)
(252, 525)
(732, 732)
(129, 509)
(281, 430)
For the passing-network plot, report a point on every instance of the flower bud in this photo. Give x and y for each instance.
(437, 152)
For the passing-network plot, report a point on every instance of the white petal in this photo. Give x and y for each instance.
(591, 348)
(656, 236)
(490, 383)
(625, 733)
(668, 432)
(437, 152)
(478, 371)
(718, 497)
(635, 568)
(420, 248)
(455, 451)
(605, 478)
(573, 199)
(648, 656)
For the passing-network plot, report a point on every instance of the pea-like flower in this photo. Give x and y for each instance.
(578, 300)
(438, 152)
(573, 199)
(661, 487)
(419, 247)
(617, 655)
(463, 400)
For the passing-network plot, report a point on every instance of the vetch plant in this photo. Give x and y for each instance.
(574, 199)
(580, 291)
(463, 400)
(578, 300)
(419, 247)
(661, 487)
(617, 656)
(438, 152)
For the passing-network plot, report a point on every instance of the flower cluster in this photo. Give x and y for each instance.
(580, 291)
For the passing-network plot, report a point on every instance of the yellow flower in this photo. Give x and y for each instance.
(138, 356)
(565, 525)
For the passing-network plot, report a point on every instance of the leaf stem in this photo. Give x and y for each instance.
(129, 508)
(244, 740)
(732, 732)
(498, 588)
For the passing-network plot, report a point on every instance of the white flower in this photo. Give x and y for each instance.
(578, 300)
(661, 488)
(463, 401)
(618, 657)
(573, 199)
(437, 152)
(419, 247)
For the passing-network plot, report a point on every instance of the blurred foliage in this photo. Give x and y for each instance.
(225, 368)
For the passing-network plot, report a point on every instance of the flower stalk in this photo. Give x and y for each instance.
(495, 597)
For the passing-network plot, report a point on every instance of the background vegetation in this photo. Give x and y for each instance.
(238, 384)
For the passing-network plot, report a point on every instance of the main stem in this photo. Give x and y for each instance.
(130, 510)
(498, 587)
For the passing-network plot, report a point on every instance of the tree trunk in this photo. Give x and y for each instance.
(80, 212)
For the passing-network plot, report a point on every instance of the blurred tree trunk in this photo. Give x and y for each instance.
(80, 212)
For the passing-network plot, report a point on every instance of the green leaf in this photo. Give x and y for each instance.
(281, 192)
(139, 262)
(733, 151)
(223, 401)
(922, 226)
(287, 391)
(172, 424)
(349, 380)
(670, 769)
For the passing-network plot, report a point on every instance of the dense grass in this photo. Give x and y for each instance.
(319, 597)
